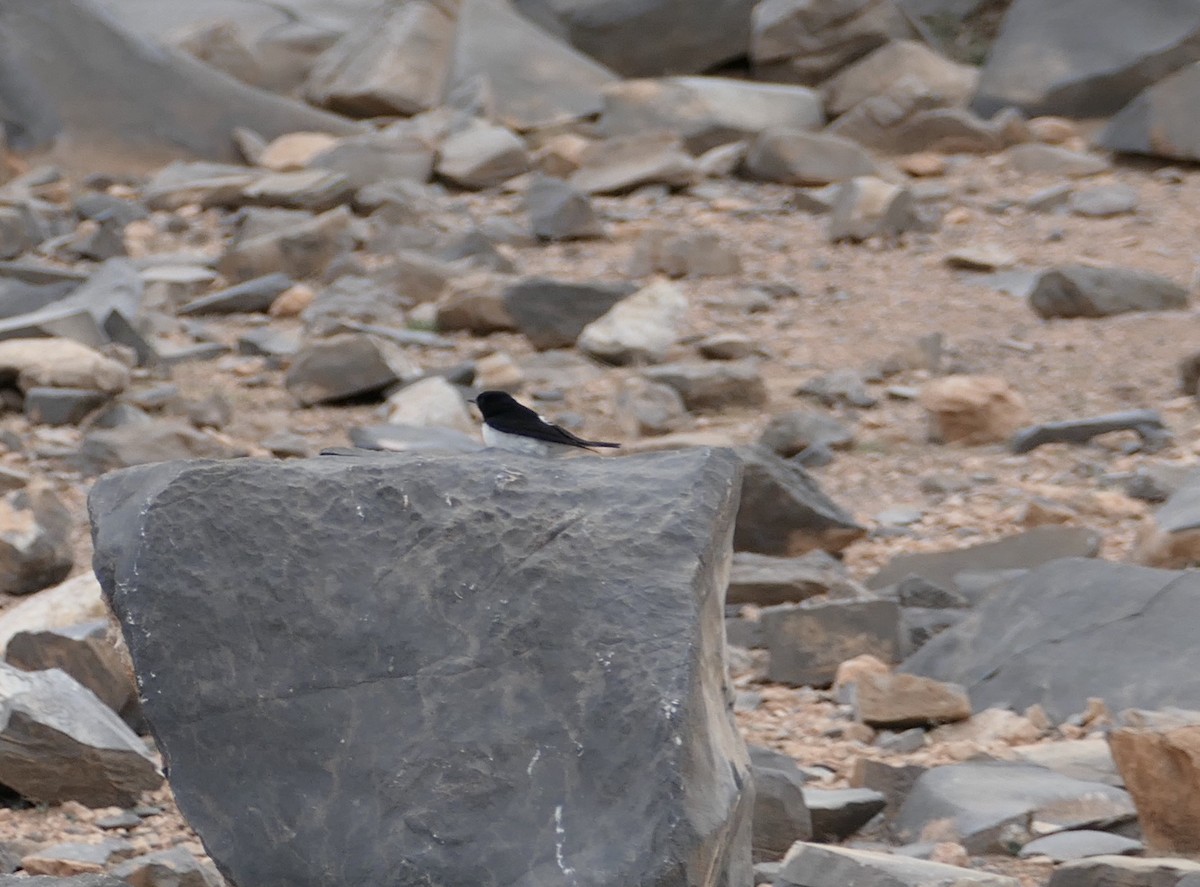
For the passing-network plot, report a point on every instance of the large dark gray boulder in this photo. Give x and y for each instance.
(1152, 123)
(645, 38)
(1085, 58)
(1071, 630)
(74, 78)
(421, 668)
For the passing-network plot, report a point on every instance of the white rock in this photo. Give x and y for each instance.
(432, 402)
(639, 329)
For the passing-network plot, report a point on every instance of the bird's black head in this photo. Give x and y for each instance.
(495, 403)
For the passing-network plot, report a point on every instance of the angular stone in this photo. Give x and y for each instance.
(68, 603)
(809, 641)
(790, 433)
(1086, 628)
(68, 859)
(784, 511)
(60, 743)
(624, 163)
(780, 815)
(448, 640)
(817, 865)
(84, 652)
(649, 408)
(1172, 539)
(349, 365)
(304, 248)
(1018, 552)
(552, 313)
(866, 207)
(795, 40)
(893, 781)
(766, 581)
(294, 150)
(183, 183)
(1156, 754)
(1105, 52)
(380, 160)
(694, 254)
(53, 881)
(1088, 759)
(62, 406)
(1123, 871)
(839, 813)
(1035, 158)
(557, 211)
(902, 700)
(1065, 846)
(478, 306)
(482, 156)
(315, 190)
(36, 549)
(252, 296)
(707, 111)
(1150, 124)
(430, 402)
(795, 157)
(532, 79)
(639, 329)
(973, 410)
(1104, 201)
(1148, 425)
(990, 804)
(1086, 291)
(168, 868)
(60, 363)
(394, 62)
(713, 386)
(157, 440)
(875, 74)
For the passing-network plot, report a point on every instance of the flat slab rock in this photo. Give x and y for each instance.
(434, 668)
(816, 865)
(1072, 630)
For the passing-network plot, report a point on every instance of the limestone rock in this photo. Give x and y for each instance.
(639, 329)
(431, 402)
(795, 157)
(901, 700)
(557, 211)
(692, 254)
(707, 111)
(553, 313)
(818, 865)
(439, 637)
(36, 549)
(294, 150)
(866, 207)
(973, 409)
(69, 603)
(949, 83)
(482, 156)
(1035, 158)
(1086, 291)
(707, 385)
(168, 868)
(60, 743)
(622, 163)
(61, 363)
(649, 407)
(304, 247)
(345, 366)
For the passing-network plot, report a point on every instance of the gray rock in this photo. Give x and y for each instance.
(1086, 291)
(558, 211)
(62, 406)
(1035, 158)
(349, 365)
(785, 512)
(691, 254)
(395, 61)
(1103, 201)
(407, 438)
(1020, 551)
(52, 881)
(839, 813)
(198, 182)
(287, 445)
(790, 433)
(639, 329)
(728, 346)
(866, 207)
(1148, 425)
(75, 856)
(552, 313)
(304, 247)
(168, 868)
(901, 700)
(1065, 846)
(378, 160)
(19, 231)
(780, 815)
(644, 38)
(765, 581)
(1051, 199)
(1149, 124)
(446, 642)
(793, 40)
(252, 296)
(990, 804)
(315, 190)
(947, 82)
(430, 402)
(920, 624)
(917, 591)
(1105, 52)
(707, 111)
(482, 156)
(116, 106)
(795, 157)
(61, 743)
(705, 385)
(85, 653)
(532, 79)
(157, 440)
(624, 163)
(893, 781)
(1087, 759)
(649, 407)
(36, 549)
(1087, 628)
(807, 642)
(845, 387)
(817, 865)
(1122, 871)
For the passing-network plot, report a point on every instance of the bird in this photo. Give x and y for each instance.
(510, 425)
